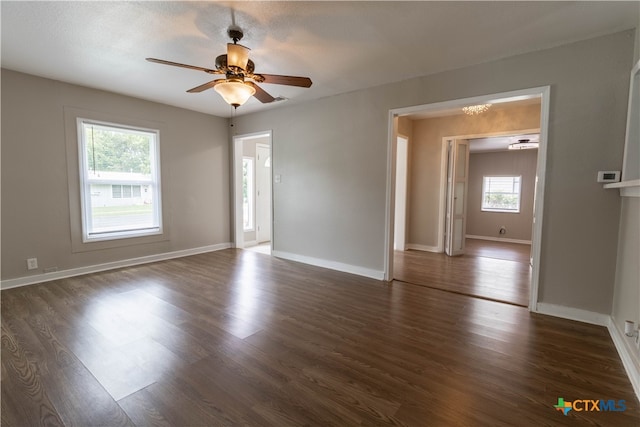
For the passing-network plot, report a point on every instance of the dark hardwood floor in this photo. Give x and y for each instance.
(237, 337)
(491, 270)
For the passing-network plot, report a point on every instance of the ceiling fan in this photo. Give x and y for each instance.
(239, 82)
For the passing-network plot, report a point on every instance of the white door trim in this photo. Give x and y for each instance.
(544, 92)
(443, 173)
(236, 179)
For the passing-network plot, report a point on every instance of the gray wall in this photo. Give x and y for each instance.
(332, 155)
(425, 160)
(37, 220)
(487, 224)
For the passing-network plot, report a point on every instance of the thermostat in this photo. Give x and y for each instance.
(608, 176)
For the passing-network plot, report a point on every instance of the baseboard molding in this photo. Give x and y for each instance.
(573, 314)
(499, 239)
(63, 274)
(630, 362)
(331, 265)
(625, 345)
(425, 248)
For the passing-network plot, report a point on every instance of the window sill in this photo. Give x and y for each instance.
(627, 188)
(499, 211)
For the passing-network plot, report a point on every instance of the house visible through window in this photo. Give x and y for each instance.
(501, 193)
(119, 177)
(125, 191)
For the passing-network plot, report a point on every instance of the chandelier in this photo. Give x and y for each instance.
(472, 110)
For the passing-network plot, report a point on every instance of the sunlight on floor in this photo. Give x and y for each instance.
(263, 248)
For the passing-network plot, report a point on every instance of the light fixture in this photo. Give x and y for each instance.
(234, 91)
(237, 56)
(523, 144)
(472, 110)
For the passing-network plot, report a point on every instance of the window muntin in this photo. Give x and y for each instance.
(119, 181)
(501, 193)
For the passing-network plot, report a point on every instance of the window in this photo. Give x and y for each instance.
(119, 181)
(247, 193)
(501, 193)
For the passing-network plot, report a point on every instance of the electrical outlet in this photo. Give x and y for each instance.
(32, 263)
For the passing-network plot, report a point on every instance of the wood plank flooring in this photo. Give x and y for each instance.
(240, 338)
(491, 270)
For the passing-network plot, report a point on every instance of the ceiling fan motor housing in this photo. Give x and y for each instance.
(235, 34)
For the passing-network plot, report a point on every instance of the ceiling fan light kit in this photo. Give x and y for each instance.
(234, 92)
(523, 144)
(237, 56)
(240, 81)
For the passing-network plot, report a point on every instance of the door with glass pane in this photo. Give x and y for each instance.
(263, 193)
(457, 184)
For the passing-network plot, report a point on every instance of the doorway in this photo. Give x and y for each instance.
(252, 190)
(542, 94)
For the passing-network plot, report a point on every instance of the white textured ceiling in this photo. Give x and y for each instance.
(341, 46)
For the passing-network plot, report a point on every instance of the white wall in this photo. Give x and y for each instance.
(332, 155)
(39, 216)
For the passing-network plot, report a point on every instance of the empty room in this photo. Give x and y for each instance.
(320, 213)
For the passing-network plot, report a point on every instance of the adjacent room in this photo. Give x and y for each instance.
(494, 260)
(320, 213)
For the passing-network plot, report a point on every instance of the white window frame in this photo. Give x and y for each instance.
(86, 181)
(488, 209)
(251, 191)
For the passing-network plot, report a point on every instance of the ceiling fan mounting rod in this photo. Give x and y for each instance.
(235, 34)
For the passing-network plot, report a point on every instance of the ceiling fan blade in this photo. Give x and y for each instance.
(286, 80)
(260, 94)
(177, 64)
(203, 87)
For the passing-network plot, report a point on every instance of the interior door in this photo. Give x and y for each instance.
(263, 193)
(457, 184)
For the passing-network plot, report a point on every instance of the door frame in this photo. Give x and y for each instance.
(544, 92)
(443, 172)
(403, 243)
(237, 143)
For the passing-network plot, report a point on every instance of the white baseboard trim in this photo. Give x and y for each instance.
(573, 314)
(499, 239)
(331, 265)
(250, 243)
(63, 274)
(625, 349)
(625, 345)
(425, 248)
